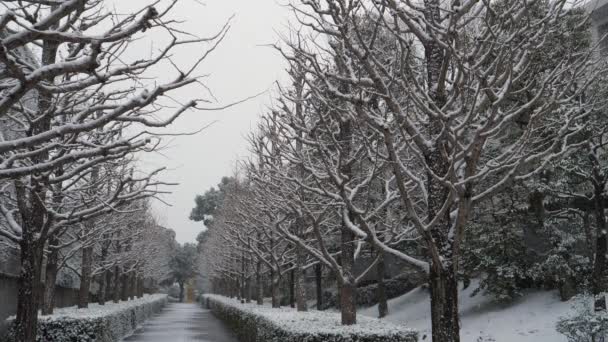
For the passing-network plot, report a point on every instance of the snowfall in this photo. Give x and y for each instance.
(531, 318)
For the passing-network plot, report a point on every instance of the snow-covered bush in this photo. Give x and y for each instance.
(254, 323)
(98, 323)
(523, 254)
(584, 325)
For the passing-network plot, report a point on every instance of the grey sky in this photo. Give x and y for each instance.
(240, 67)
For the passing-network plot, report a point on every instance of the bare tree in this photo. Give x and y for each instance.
(71, 101)
(461, 105)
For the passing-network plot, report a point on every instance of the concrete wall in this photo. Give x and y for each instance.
(9, 289)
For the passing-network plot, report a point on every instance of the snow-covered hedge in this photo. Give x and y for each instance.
(254, 323)
(98, 323)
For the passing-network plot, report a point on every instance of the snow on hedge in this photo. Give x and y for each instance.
(98, 323)
(255, 323)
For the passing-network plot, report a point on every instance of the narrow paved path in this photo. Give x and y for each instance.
(183, 323)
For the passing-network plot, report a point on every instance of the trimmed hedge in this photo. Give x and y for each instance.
(107, 323)
(254, 323)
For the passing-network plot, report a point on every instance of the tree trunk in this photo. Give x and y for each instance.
(259, 284)
(319, 285)
(247, 281)
(133, 286)
(300, 278)
(124, 287)
(292, 285)
(181, 291)
(599, 265)
(48, 299)
(444, 305)
(442, 277)
(33, 213)
(116, 285)
(29, 291)
(348, 288)
(274, 289)
(140, 287)
(104, 281)
(104, 278)
(85, 277)
(248, 290)
(382, 299)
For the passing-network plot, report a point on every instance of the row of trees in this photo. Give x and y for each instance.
(421, 130)
(76, 107)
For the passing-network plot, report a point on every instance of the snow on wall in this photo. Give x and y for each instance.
(254, 323)
(98, 323)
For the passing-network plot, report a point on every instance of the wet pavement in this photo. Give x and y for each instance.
(180, 322)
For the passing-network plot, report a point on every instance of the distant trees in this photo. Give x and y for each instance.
(207, 204)
(183, 266)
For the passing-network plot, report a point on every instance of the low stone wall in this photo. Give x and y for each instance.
(98, 323)
(254, 323)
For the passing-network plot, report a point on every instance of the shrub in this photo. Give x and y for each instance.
(107, 323)
(584, 325)
(254, 323)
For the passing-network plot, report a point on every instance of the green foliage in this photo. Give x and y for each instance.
(183, 263)
(207, 204)
(496, 252)
(512, 251)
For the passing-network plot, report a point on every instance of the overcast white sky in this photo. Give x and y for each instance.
(239, 68)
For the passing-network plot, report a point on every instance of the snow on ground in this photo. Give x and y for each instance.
(531, 318)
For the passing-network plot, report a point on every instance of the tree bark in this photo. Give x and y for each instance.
(181, 291)
(85, 277)
(34, 218)
(104, 278)
(48, 298)
(248, 290)
(319, 285)
(133, 285)
(382, 299)
(140, 287)
(292, 285)
(300, 278)
(599, 265)
(442, 277)
(274, 289)
(29, 291)
(104, 281)
(348, 287)
(259, 284)
(444, 305)
(243, 287)
(124, 287)
(116, 285)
